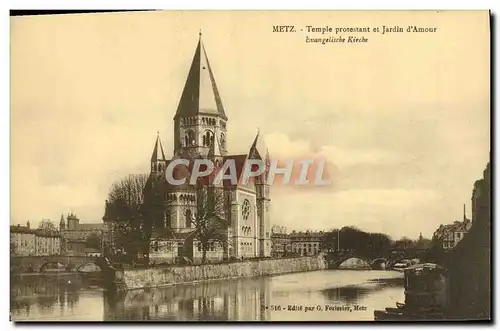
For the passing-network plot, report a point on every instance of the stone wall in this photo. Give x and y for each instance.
(164, 276)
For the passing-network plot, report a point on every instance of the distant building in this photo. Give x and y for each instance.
(72, 231)
(423, 243)
(450, 235)
(281, 243)
(22, 240)
(75, 247)
(307, 243)
(47, 243)
(25, 241)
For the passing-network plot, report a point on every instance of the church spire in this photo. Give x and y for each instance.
(200, 94)
(158, 154)
(258, 149)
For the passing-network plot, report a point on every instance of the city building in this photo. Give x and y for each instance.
(281, 244)
(74, 247)
(73, 233)
(25, 241)
(200, 131)
(22, 240)
(450, 235)
(307, 243)
(47, 243)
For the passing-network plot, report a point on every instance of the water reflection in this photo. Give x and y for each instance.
(356, 293)
(48, 296)
(257, 299)
(233, 300)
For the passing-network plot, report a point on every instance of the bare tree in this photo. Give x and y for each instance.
(124, 207)
(210, 219)
(47, 226)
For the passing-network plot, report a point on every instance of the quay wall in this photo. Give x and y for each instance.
(165, 276)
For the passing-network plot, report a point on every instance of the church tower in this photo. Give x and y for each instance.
(158, 160)
(62, 224)
(259, 151)
(200, 115)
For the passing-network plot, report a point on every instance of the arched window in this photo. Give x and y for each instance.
(189, 138)
(208, 138)
(223, 140)
(188, 218)
(168, 223)
(154, 166)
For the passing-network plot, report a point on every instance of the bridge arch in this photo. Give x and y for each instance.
(379, 260)
(358, 262)
(39, 263)
(336, 261)
(45, 265)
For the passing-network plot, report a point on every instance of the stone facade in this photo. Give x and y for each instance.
(450, 235)
(281, 242)
(25, 241)
(200, 132)
(22, 241)
(164, 276)
(307, 243)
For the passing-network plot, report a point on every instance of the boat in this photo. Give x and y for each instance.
(425, 295)
(401, 265)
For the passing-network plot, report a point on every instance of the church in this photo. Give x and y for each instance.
(201, 131)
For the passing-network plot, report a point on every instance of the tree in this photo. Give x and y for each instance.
(369, 245)
(404, 243)
(47, 226)
(93, 241)
(436, 253)
(210, 220)
(124, 207)
(379, 244)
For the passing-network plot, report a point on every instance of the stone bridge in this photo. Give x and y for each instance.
(40, 263)
(336, 259)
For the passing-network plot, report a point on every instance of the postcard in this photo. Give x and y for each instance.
(245, 166)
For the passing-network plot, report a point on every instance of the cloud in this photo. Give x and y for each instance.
(406, 132)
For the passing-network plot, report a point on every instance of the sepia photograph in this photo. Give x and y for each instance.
(251, 166)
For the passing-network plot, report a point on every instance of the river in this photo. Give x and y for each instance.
(326, 295)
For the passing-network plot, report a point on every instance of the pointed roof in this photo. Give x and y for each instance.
(158, 154)
(258, 149)
(200, 94)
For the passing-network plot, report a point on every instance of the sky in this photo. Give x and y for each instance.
(404, 118)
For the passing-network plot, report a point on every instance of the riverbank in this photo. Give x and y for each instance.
(167, 276)
(38, 274)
